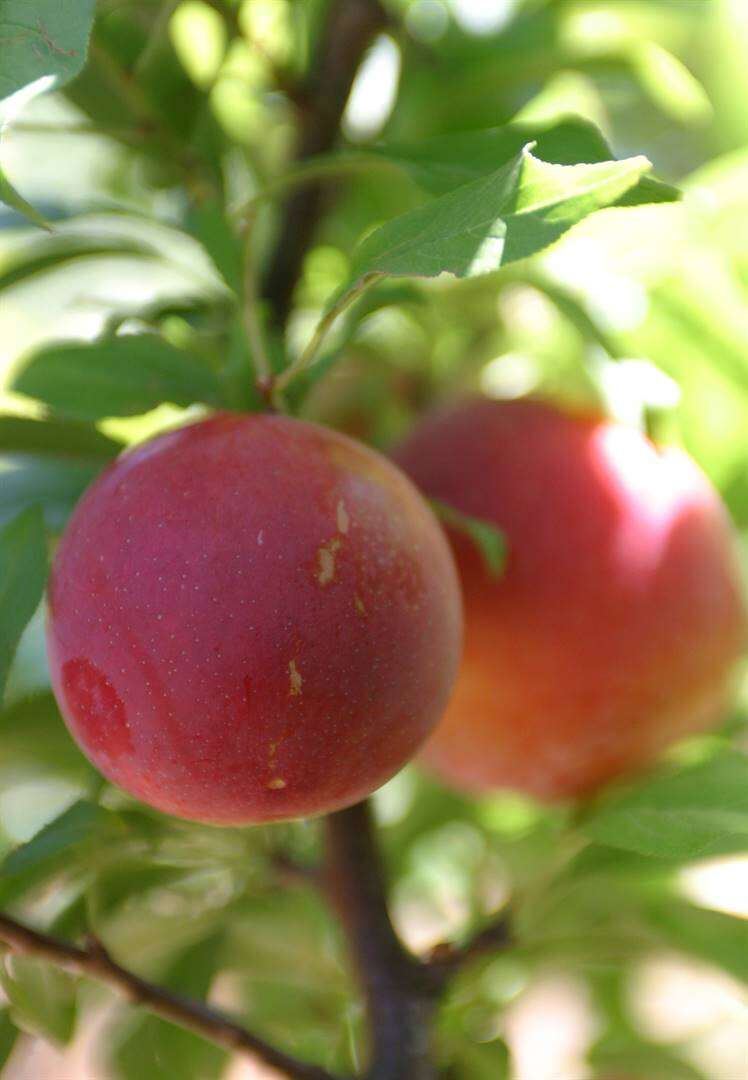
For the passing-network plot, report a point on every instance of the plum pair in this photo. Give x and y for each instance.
(254, 618)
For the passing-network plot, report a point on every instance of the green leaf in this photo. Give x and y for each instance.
(32, 731)
(483, 225)
(49, 463)
(486, 536)
(47, 37)
(60, 438)
(670, 84)
(50, 253)
(482, 1061)
(122, 376)
(694, 812)
(36, 480)
(23, 572)
(624, 1053)
(71, 840)
(79, 824)
(16, 201)
(208, 224)
(712, 936)
(443, 163)
(8, 1036)
(153, 1048)
(42, 998)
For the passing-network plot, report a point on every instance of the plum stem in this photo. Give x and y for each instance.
(92, 960)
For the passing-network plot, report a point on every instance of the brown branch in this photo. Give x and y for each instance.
(349, 28)
(93, 961)
(401, 994)
(445, 961)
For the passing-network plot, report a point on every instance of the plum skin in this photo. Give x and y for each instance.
(616, 626)
(252, 618)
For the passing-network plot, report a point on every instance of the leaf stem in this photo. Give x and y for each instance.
(264, 377)
(305, 359)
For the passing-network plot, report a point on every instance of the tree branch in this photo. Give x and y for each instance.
(400, 993)
(446, 961)
(95, 962)
(349, 28)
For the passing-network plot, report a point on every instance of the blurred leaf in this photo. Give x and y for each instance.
(16, 201)
(670, 84)
(23, 572)
(445, 162)
(481, 1061)
(42, 480)
(60, 250)
(50, 211)
(60, 438)
(712, 936)
(8, 1036)
(153, 1048)
(624, 1053)
(33, 730)
(71, 839)
(208, 224)
(294, 989)
(81, 823)
(49, 463)
(135, 84)
(511, 214)
(44, 38)
(486, 536)
(122, 376)
(685, 814)
(42, 998)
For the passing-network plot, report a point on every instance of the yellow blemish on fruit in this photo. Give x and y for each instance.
(342, 517)
(276, 783)
(326, 557)
(360, 608)
(295, 680)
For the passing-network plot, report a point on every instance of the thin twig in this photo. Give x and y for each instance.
(445, 961)
(306, 358)
(349, 28)
(95, 962)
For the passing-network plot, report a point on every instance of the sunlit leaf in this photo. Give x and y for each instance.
(445, 162)
(508, 215)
